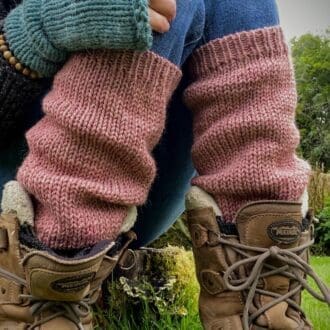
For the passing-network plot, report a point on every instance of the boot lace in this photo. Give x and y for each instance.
(73, 311)
(294, 267)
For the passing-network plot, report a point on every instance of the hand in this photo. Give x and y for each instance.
(161, 13)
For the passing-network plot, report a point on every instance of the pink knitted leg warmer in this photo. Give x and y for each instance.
(243, 100)
(89, 156)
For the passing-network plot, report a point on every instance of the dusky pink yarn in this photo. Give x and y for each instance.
(89, 157)
(243, 102)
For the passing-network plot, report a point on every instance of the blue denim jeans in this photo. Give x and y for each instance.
(197, 23)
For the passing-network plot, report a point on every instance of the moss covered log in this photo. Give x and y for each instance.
(157, 282)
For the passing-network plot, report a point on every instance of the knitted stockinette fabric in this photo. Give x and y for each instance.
(16, 93)
(243, 102)
(90, 156)
(42, 33)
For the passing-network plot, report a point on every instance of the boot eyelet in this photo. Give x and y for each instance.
(210, 283)
(3, 291)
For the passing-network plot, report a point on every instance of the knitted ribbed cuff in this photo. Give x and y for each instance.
(16, 91)
(238, 48)
(27, 41)
(116, 24)
(41, 34)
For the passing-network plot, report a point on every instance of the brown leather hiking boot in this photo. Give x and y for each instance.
(41, 290)
(251, 274)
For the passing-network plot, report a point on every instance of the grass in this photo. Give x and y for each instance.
(145, 322)
(317, 312)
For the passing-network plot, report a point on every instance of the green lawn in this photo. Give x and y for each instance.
(316, 311)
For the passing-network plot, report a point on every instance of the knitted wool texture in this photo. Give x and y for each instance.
(16, 92)
(41, 33)
(243, 102)
(90, 155)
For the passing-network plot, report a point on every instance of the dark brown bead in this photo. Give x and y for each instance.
(26, 72)
(34, 75)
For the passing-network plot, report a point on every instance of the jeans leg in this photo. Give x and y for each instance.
(10, 158)
(173, 153)
(175, 168)
(166, 200)
(224, 17)
(185, 32)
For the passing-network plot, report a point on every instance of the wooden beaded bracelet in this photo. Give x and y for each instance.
(13, 61)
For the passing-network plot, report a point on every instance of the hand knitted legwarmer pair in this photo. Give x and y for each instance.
(90, 156)
(244, 100)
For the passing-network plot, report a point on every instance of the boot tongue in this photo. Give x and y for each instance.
(269, 223)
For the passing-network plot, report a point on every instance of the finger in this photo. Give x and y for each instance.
(158, 22)
(166, 8)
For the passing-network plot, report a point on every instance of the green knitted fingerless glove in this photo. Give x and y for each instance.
(41, 33)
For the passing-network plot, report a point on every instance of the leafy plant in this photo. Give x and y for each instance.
(311, 55)
(322, 231)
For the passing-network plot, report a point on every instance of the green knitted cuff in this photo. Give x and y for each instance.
(143, 28)
(42, 33)
(97, 24)
(28, 42)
